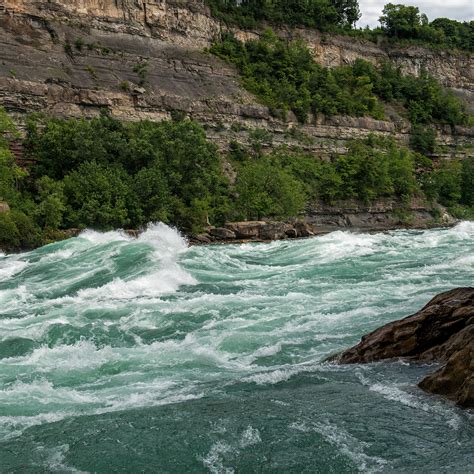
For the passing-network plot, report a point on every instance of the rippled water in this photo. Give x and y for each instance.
(122, 354)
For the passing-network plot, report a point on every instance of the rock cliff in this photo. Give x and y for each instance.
(146, 59)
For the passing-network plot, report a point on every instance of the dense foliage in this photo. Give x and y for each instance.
(137, 172)
(371, 169)
(105, 174)
(321, 14)
(285, 77)
(398, 23)
(403, 22)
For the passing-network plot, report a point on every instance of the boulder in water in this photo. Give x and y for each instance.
(442, 331)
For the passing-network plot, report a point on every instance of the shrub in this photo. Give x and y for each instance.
(285, 77)
(9, 234)
(68, 48)
(125, 86)
(321, 14)
(79, 44)
(423, 139)
(265, 189)
(100, 197)
(141, 70)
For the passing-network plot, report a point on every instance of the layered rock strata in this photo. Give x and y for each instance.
(145, 59)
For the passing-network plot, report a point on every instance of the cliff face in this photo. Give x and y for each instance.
(146, 59)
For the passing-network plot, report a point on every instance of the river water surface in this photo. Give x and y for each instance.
(146, 355)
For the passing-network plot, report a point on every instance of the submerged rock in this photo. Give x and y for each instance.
(443, 331)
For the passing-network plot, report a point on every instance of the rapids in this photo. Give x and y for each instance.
(147, 355)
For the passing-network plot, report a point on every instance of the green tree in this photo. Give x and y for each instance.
(446, 183)
(100, 196)
(467, 181)
(51, 206)
(265, 189)
(62, 145)
(153, 194)
(423, 139)
(11, 175)
(9, 233)
(401, 21)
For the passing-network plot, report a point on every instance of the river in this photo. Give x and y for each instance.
(147, 355)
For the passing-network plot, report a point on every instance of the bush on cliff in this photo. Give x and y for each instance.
(399, 24)
(280, 183)
(322, 14)
(467, 182)
(99, 196)
(403, 22)
(18, 231)
(285, 77)
(451, 183)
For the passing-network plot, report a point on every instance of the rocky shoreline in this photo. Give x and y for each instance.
(265, 231)
(441, 332)
(381, 216)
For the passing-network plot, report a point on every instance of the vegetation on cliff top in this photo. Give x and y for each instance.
(285, 77)
(105, 174)
(398, 23)
(321, 14)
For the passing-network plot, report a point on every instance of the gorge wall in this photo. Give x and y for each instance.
(74, 57)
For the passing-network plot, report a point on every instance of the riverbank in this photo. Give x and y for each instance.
(381, 216)
(321, 219)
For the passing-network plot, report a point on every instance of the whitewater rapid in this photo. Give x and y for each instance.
(105, 323)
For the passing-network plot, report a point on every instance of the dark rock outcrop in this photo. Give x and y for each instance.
(455, 380)
(443, 331)
(222, 233)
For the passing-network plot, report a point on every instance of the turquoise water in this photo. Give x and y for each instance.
(146, 355)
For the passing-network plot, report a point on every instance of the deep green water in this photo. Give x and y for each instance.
(121, 354)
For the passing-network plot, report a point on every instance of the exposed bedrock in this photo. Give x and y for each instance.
(443, 331)
(72, 58)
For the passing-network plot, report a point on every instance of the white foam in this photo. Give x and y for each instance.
(167, 280)
(213, 460)
(55, 459)
(10, 267)
(396, 393)
(167, 244)
(351, 447)
(165, 239)
(273, 376)
(464, 229)
(13, 426)
(250, 437)
(100, 238)
(43, 392)
(340, 244)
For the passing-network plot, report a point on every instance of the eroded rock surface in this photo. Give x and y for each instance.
(74, 58)
(442, 331)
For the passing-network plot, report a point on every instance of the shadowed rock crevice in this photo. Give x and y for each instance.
(443, 331)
